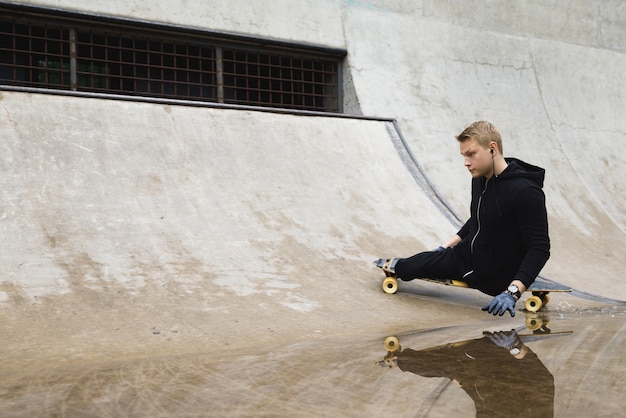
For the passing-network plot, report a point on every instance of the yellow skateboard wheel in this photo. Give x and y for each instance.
(544, 296)
(392, 344)
(390, 285)
(533, 303)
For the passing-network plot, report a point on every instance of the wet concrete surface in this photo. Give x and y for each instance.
(573, 365)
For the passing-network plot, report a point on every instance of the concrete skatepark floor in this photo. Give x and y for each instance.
(580, 344)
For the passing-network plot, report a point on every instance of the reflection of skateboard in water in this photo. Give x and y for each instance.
(539, 289)
(392, 343)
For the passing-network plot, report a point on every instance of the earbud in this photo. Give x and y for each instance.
(491, 150)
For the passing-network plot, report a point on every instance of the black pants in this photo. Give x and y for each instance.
(431, 264)
(451, 263)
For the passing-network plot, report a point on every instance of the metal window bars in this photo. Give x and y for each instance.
(44, 53)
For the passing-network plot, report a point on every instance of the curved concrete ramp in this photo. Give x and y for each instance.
(129, 220)
(125, 193)
(143, 231)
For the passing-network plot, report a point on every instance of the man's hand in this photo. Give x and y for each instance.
(500, 304)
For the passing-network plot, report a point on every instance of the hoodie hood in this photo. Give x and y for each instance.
(519, 168)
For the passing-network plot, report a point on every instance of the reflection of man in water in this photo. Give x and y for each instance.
(501, 374)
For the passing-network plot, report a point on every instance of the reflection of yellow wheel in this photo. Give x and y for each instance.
(390, 285)
(534, 324)
(392, 344)
(533, 303)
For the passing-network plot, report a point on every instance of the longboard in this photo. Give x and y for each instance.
(539, 289)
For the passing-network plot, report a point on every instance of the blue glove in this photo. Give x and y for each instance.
(500, 304)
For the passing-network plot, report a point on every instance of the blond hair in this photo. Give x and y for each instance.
(483, 132)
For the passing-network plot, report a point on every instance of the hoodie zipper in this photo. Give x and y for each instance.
(480, 200)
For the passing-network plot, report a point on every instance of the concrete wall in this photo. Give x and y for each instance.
(302, 21)
(597, 24)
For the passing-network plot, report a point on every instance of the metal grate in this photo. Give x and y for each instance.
(130, 64)
(34, 55)
(273, 80)
(42, 52)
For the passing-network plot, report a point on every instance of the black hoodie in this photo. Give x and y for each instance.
(506, 236)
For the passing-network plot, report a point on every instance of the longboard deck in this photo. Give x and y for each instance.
(539, 289)
(539, 285)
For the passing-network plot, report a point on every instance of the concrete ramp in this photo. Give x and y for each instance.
(125, 219)
(148, 243)
(130, 193)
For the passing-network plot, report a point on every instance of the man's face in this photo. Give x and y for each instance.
(477, 160)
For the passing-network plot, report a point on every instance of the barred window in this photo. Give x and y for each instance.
(127, 64)
(256, 78)
(70, 53)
